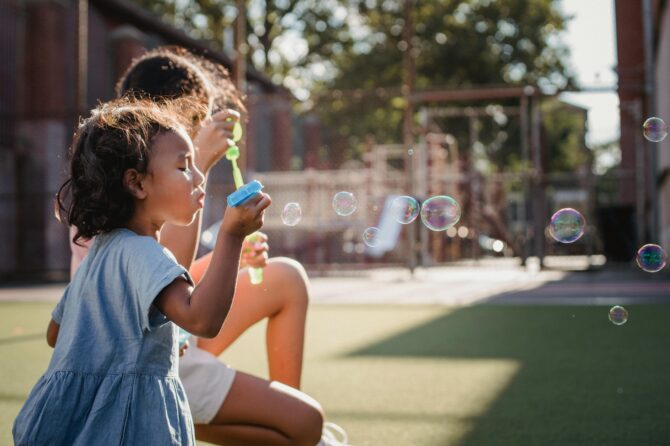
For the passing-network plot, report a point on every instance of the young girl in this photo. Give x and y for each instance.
(229, 406)
(113, 376)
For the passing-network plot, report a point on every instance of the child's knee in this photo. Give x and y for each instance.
(310, 425)
(292, 276)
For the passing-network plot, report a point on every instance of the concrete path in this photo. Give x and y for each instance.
(495, 282)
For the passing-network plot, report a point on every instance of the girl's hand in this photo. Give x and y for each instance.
(211, 142)
(255, 251)
(182, 348)
(246, 218)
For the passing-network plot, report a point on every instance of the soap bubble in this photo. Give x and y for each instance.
(440, 212)
(655, 129)
(344, 203)
(567, 225)
(651, 258)
(291, 214)
(405, 209)
(618, 315)
(371, 236)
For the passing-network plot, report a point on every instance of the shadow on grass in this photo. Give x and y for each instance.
(583, 381)
(13, 397)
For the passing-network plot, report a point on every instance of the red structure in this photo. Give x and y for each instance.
(39, 108)
(644, 71)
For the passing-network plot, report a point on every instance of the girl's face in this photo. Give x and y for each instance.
(173, 182)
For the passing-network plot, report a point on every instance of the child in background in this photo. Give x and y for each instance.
(113, 377)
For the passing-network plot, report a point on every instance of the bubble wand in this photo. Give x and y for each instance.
(232, 154)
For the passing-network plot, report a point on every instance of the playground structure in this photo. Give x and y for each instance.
(510, 208)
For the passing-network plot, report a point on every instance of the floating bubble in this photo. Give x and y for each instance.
(655, 129)
(371, 236)
(291, 214)
(405, 209)
(618, 315)
(567, 225)
(440, 212)
(344, 203)
(651, 258)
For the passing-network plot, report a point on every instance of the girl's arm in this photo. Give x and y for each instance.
(52, 333)
(203, 309)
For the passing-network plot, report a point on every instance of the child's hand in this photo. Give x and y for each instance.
(255, 251)
(182, 348)
(245, 219)
(211, 142)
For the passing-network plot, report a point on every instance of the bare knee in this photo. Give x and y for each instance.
(307, 416)
(292, 277)
(308, 426)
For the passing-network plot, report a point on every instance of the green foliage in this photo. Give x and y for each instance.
(564, 130)
(347, 57)
(283, 36)
(455, 44)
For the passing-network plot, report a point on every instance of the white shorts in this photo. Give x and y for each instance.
(206, 381)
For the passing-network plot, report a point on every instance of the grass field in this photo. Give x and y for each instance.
(428, 375)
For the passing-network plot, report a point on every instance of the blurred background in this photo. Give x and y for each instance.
(514, 108)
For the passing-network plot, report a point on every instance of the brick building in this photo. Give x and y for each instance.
(38, 112)
(638, 91)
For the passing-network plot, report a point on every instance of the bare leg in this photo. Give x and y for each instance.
(283, 299)
(258, 412)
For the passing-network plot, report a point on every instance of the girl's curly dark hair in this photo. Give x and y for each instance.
(118, 136)
(170, 72)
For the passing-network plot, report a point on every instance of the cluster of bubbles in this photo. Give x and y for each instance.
(438, 213)
(650, 257)
(567, 226)
(442, 212)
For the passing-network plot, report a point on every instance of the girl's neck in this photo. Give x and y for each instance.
(144, 227)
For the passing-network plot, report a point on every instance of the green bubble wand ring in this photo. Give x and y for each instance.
(232, 154)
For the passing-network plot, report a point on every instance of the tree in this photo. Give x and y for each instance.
(285, 38)
(455, 44)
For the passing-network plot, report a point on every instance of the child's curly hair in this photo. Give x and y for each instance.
(118, 136)
(170, 72)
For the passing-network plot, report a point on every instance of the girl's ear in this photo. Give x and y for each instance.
(133, 182)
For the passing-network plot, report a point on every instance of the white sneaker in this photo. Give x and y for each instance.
(333, 435)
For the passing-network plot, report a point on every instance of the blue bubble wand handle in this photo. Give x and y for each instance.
(232, 154)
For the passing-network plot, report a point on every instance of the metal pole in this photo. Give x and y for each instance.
(650, 93)
(408, 136)
(82, 56)
(539, 218)
(525, 157)
(240, 68)
(635, 108)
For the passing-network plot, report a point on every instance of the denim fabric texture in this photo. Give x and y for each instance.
(112, 379)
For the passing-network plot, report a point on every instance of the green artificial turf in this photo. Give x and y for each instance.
(429, 375)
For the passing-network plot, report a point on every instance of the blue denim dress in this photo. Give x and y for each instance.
(112, 379)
